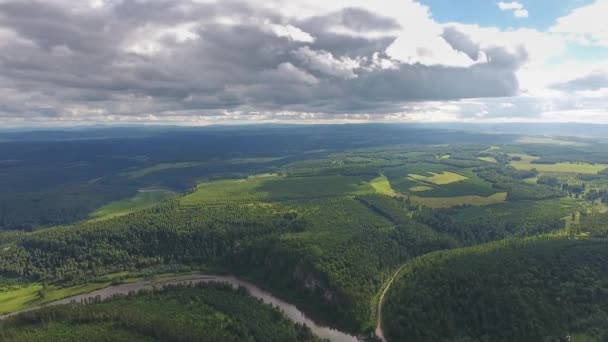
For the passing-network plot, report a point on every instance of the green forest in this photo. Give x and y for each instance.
(466, 235)
(205, 312)
(513, 290)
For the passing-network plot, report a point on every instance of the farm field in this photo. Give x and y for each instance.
(488, 159)
(143, 200)
(269, 187)
(442, 178)
(549, 141)
(585, 168)
(447, 202)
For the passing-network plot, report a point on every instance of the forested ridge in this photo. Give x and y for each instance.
(321, 223)
(513, 290)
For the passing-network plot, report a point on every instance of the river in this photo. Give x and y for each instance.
(288, 309)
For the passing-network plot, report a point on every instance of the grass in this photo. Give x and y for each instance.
(526, 164)
(549, 141)
(471, 186)
(271, 187)
(23, 297)
(160, 167)
(488, 159)
(20, 297)
(448, 202)
(139, 173)
(421, 188)
(383, 186)
(439, 178)
(143, 200)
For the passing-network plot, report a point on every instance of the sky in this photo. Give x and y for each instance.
(201, 62)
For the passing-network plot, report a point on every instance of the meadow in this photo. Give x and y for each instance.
(526, 163)
(273, 187)
(442, 178)
(143, 200)
(448, 202)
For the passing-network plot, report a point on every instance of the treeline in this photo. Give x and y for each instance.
(29, 211)
(518, 290)
(204, 312)
(329, 256)
(510, 180)
(476, 225)
(165, 234)
(594, 224)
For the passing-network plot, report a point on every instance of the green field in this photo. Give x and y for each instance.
(421, 188)
(277, 188)
(488, 159)
(139, 173)
(17, 298)
(383, 186)
(447, 202)
(144, 199)
(471, 186)
(549, 141)
(526, 164)
(442, 178)
(160, 167)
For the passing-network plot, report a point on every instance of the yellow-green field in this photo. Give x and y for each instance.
(160, 167)
(271, 187)
(439, 178)
(488, 159)
(16, 298)
(142, 200)
(167, 166)
(526, 164)
(383, 186)
(420, 188)
(549, 141)
(447, 202)
(28, 296)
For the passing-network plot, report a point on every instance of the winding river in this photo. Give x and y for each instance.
(288, 309)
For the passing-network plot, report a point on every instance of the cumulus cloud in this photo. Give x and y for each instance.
(160, 58)
(519, 11)
(191, 61)
(586, 25)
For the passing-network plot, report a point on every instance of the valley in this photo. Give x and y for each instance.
(336, 232)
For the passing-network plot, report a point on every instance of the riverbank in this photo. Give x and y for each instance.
(288, 309)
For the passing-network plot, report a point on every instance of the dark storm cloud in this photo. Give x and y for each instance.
(594, 81)
(128, 60)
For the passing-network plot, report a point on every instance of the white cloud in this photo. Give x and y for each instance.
(519, 11)
(504, 6)
(586, 25)
(291, 32)
(326, 63)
